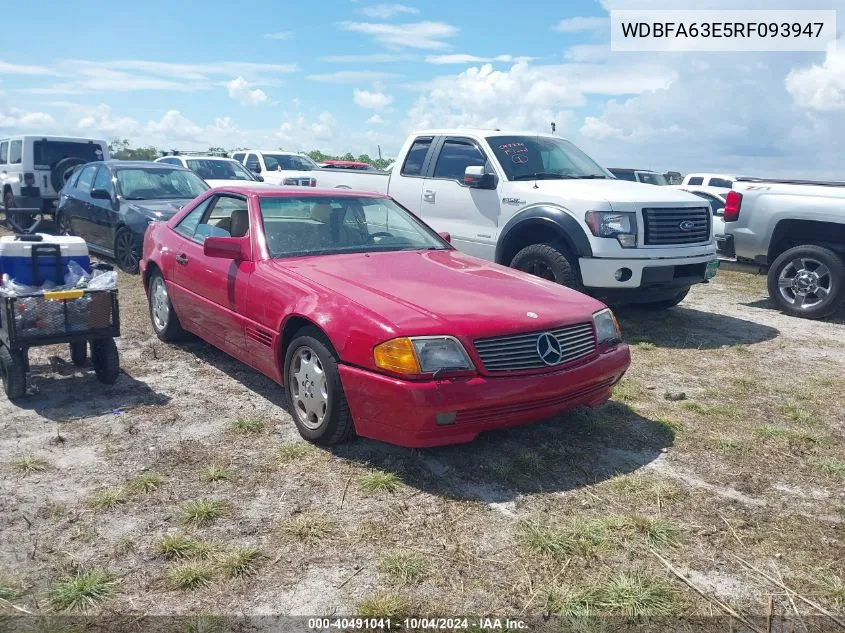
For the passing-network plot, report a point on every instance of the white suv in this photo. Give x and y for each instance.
(280, 168)
(217, 171)
(34, 168)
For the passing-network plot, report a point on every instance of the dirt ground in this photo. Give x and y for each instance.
(746, 471)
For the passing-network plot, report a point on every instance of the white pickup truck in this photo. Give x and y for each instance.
(794, 229)
(539, 204)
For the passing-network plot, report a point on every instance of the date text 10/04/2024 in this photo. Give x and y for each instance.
(418, 624)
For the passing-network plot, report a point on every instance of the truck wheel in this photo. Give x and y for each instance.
(13, 373)
(106, 360)
(549, 261)
(665, 304)
(315, 395)
(808, 282)
(79, 353)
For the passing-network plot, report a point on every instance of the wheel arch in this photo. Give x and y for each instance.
(789, 233)
(536, 225)
(292, 325)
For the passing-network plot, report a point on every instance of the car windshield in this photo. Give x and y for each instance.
(652, 178)
(211, 169)
(139, 183)
(543, 157)
(330, 225)
(46, 154)
(282, 162)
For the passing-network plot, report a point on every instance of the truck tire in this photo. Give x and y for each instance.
(808, 282)
(13, 373)
(665, 304)
(549, 261)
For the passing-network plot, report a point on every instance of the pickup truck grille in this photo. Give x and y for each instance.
(520, 351)
(676, 226)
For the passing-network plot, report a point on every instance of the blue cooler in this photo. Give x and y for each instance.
(35, 259)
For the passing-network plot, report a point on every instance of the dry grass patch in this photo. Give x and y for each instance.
(87, 590)
(792, 437)
(191, 576)
(308, 528)
(829, 466)
(404, 566)
(628, 594)
(799, 414)
(245, 426)
(214, 473)
(179, 546)
(148, 482)
(28, 464)
(241, 562)
(831, 587)
(293, 452)
(384, 605)
(381, 481)
(109, 498)
(204, 511)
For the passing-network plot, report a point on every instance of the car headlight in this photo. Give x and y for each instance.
(622, 226)
(421, 355)
(607, 328)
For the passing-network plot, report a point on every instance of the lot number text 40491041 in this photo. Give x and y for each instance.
(416, 624)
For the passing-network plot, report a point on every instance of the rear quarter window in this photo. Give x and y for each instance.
(416, 157)
(721, 182)
(695, 180)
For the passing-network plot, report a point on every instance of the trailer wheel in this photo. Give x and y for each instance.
(79, 353)
(13, 372)
(106, 360)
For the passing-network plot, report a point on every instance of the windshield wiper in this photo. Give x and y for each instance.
(592, 177)
(542, 175)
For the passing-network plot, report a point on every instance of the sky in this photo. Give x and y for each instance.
(355, 76)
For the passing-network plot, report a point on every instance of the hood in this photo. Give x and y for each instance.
(609, 191)
(445, 292)
(158, 209)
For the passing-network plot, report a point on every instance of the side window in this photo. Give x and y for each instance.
(721, 182)
(86, 179)
(416, 157)
(103, 180)
(225, 216)
(625, 174)
(239, 156)
(171, 161)
(4, 152)
(252, 163)
(189, 223)
(696, 180)
(15, 151)
(455, 157)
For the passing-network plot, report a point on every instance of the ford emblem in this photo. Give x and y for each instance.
(687, 225)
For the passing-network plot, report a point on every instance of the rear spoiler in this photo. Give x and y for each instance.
(823, 183)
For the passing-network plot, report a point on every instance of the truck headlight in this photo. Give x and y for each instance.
(607, 328)
(622, 226)
(421, 355)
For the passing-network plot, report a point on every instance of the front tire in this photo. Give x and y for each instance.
(315, 395)
(106, 360)
(163, 317)
(127, 251)
(13, 373)
(548, 261)
(808, 282)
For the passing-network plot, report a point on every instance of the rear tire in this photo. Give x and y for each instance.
(808, 282)
(665, 304)
(106, 360)
(127, 251)
(549, 261)
(79, 353)
(13, 373)
(316, 401)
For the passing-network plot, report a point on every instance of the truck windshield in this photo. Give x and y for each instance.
(212, 169)
(543, 157)
(330, 225)
(281, 162)
(652, 178)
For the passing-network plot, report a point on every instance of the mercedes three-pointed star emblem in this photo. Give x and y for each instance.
(549, 349)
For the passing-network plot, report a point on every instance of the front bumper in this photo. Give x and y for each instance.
(406, 413)
(725, 247)
(600, 273)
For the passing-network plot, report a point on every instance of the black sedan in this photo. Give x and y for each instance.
(110, 203)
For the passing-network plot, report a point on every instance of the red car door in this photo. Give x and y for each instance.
(208, 290)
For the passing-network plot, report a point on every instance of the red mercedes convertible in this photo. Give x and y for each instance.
(373, 323)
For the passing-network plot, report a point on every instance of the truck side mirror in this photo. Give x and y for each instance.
(476, 178)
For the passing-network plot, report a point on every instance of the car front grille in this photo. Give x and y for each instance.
(519, 352)
(676, 226)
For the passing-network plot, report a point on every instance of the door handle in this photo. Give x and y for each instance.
(428, 195)
(182, 259)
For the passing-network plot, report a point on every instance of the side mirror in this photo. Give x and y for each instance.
(260, 178)
(236, 248)
(445, 235)
(100, 194)
(476, 178)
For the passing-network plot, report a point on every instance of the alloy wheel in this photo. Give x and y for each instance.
(126, 251)
(805, 282)
(161, 303)
(309, 390)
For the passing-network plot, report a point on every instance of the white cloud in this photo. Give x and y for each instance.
(386, 11)
(424, 35)
(821, 87)
(598, 129)
(239, 90)
(376, 58)
(375, 120)
(351, 76)
(588, 53)
(15, 119)
(279, 35)
(458, 58)
(580, 24)
(174, 126)
(20, 69)
(371, 100)
(298, 134)
(100, 121)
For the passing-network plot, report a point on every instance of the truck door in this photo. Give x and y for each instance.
(406, 187)
(470, 215)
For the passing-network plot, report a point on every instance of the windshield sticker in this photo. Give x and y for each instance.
(518, 152)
